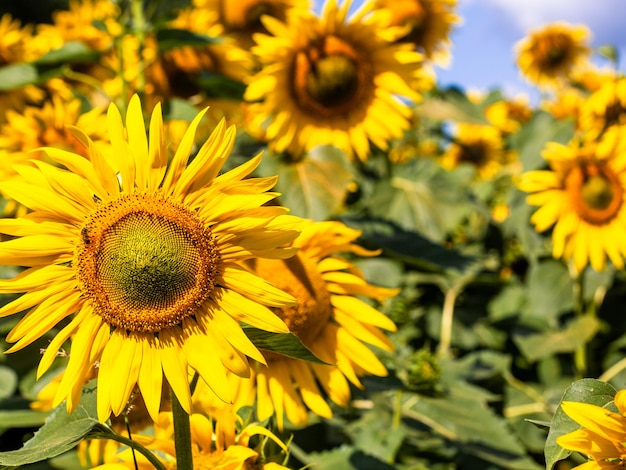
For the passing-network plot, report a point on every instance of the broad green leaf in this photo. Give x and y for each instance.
(60, 433)
(586, 391)
(576, 334)
(314, 187)
(8, 383)
(179, 110)
(23, 418)
(452, 105)
(549, 290)
(220, 86)
(73, 51)
(346, 458)
(173, 38)
(530, 140)
(286, 344)
(17, 75)
(407, 246)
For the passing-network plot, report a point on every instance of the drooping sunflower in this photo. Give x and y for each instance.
(604, 108)
(330, 319)
(582, 197)
(143, 257)
(332, 80)
(242, 19)
(429, 23)
(602, 435)
(481, 146)
(549, 56)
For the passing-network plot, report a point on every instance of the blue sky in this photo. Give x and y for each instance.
(483, 52)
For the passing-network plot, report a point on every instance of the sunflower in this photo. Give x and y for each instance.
(46, 125)
(605, 107)
(601, 436)
(479, 145)
(330, 319)
(428, 23)
(209, 450)
(332, 81)
(582, 196)
(144, 260)
(509, 114)
(550, 55)
(241, 20)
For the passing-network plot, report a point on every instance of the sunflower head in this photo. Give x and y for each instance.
(550, 55)
(330, 79)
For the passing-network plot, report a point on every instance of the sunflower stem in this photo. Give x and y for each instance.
(182, 435)
(139, 29)
(580, 355)
(447, 317)
(106, 433)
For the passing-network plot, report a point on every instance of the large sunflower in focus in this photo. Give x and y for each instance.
(428, 23)
(332, 80)
(330, 319)
(602, 435)
(550, 55)
(142, 256)
(582, 198)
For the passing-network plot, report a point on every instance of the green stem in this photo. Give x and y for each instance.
(139, 30)
(397, 410)
(182, 435)
(580, 355)
(447, 316)
(105, 433)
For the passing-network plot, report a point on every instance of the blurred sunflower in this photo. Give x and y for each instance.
(330, 319)
(550, 55)
(604, 108)
(332, 81)
(209, 449)
(144, 257)
(478, 145)
(428, 23)
(46, 126)
(582, 196)
(565, 104)
(508, 115)
(242, 19)
(602, 435)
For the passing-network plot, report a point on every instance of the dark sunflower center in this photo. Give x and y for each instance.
(596, 193)
(299, 277)
(554, 51)
(476, 153)
(332, 80)
(254, 14)
(146, 263)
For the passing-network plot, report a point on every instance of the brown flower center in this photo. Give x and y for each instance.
(596, 193)
(553, 51)
(299, 277)
(145, 263)
(331, 78)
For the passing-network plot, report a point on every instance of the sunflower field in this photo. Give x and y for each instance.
(259, 234)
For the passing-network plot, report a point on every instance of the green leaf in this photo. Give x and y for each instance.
(179, 110)
(577, 333)
(407, 246)
(73, 51)
(585, 391)
(8, 383)
(452, 105)
(23, 418)
(549, 291)
(220, 86)
(60, 433)
(530, 140)
(17, 75)
(173, 38)
(346, 458)
(314, 187)
(286, 344)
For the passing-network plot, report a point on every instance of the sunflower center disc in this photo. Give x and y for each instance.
(146, 263)
(597, 194)
(299, 277)
(332, 80)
